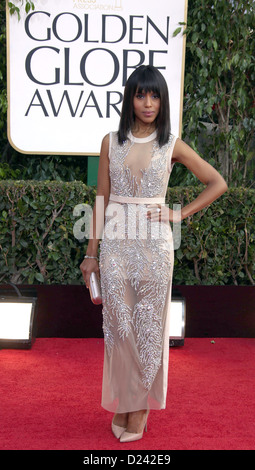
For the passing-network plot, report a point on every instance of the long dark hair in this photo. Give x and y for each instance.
(148, 79)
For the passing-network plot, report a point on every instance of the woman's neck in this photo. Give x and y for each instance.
(140, 130)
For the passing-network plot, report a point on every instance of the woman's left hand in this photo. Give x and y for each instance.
(158, 213)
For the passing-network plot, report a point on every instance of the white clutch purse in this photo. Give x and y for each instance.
(95, 289)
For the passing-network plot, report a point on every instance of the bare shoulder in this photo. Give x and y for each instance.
(106, 140)
(105, 145)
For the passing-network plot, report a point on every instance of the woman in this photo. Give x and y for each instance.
(136, 255)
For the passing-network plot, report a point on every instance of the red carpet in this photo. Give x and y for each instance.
(50, 398)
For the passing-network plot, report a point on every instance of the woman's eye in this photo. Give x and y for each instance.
(154, 96)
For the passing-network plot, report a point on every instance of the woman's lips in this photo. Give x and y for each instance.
(148, 113)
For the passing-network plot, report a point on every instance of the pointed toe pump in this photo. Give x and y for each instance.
(117, 430)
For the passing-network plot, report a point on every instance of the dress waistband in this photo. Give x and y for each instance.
(136, 200)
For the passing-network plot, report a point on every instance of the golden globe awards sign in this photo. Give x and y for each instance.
(68, 62)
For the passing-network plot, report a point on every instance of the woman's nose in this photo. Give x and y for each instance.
(148, 101)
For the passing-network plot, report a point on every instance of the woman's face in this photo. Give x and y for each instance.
(146, 107)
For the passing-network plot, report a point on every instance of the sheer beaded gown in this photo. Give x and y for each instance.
(136, 264)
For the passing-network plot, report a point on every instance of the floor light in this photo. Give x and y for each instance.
(177, 320)
(17, 321)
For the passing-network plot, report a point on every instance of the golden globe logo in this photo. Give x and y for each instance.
(68, 67)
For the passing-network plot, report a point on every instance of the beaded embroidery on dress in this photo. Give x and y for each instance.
(136, 262)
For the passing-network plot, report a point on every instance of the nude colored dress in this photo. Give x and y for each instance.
(136, 264)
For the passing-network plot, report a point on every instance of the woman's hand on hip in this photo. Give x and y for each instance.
(162, 213)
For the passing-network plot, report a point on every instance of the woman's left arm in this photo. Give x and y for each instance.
(215, 183)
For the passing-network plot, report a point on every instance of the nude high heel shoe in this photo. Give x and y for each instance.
(117, 430)
(130, 436)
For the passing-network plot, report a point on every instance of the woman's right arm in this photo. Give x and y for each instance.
(103, 189)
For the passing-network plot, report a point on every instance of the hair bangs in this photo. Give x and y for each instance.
(148, 83)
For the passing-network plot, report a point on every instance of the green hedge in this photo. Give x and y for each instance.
(36, 231)
(37, 244)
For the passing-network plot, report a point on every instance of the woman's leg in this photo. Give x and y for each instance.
(136, 421)
(120, 419)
